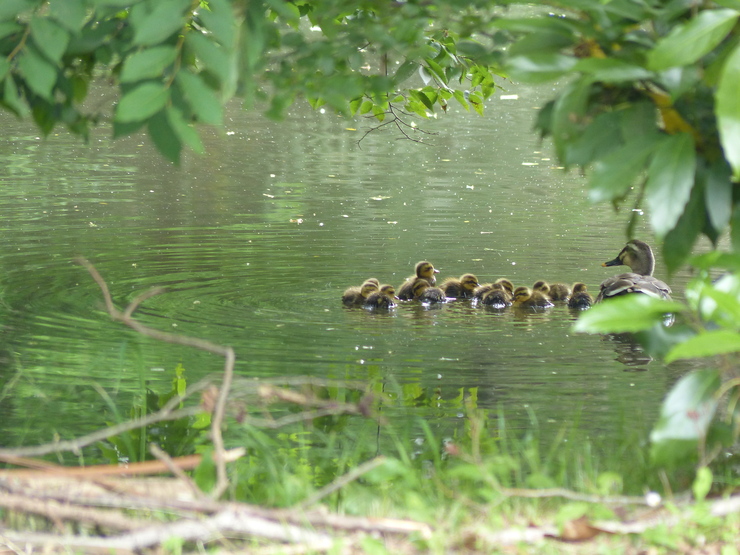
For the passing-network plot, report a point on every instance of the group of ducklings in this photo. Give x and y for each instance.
(500, 294)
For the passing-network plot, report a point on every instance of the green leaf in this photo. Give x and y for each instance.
(201, 98)
(11, 8)
(687, 43)
(670, 179)
(627, 313)
(39, 73)
(567, 115)
(147, 64)
(405, 70)
(50, 38)
(13, 100)
(702, 483)
(727, 110)
(214, 58)
(71, 14)
(154, 27)
(423, 98)
(689, 407)
(611, 70)
(538, 68)
(220, 20)
(184, 130)
(706, 344)
(164, 137)
(8, 28)
(679, 242)
(4, 67)
(205, 472)
(142, 102)
(613, 175)
(718, 195)
(595, 142)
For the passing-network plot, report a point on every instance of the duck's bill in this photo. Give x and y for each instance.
(615, 262)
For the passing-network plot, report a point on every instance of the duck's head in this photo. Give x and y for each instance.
(388, 290)
(522, 293)
(579, 287)
(373, 280)
(542, 286)
(420, 285)
(426, 270)
(506, 285)
(469, 282)
(368, 287)
(637, 255)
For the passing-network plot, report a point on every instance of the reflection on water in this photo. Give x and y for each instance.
(255, 243)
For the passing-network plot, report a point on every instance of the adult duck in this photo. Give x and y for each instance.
(639, 257)
(356, 296)
(580, 298)
(460, 288)
(424, 270)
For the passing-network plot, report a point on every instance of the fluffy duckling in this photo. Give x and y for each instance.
(424, 270)
(507, 285)
(639, 257)
(500, 283)
(384, 298)
(580, 299)
(496, 297)
(461, 288)
(542, 286)
(559, 292)
(356, 296)
(525, 298)
(432, 295)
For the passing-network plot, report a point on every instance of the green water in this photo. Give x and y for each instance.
(256, 242)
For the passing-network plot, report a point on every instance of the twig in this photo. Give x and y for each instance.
(226, 352)
(165, 459)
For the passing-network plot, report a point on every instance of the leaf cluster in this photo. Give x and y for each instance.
(649, 105)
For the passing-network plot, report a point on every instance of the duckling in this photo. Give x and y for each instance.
(424, 270)
(639, 257)
(507, 285)
(525, 298)
(432, 295)
(580, 298)
(384, 298)
(542, 286)
(355, 296)
(559, 292)
(496, 297)
(460, 288)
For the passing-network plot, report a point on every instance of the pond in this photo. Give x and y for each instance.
(256, 241)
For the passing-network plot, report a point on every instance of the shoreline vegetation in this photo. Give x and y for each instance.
(472, 494)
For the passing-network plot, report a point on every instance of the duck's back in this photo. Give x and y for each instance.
(623, 284)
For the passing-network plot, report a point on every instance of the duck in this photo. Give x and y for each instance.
(542, 286)
(385, 297)
(496, 297)
(500, 283)
(639, 257)
(461, 288)
(507, 285)
(356, 296)
(424, 270)
(432, 295)
(524, 297)
(580, 298)
(559, 292)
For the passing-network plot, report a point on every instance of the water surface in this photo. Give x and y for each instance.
(256, 242)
